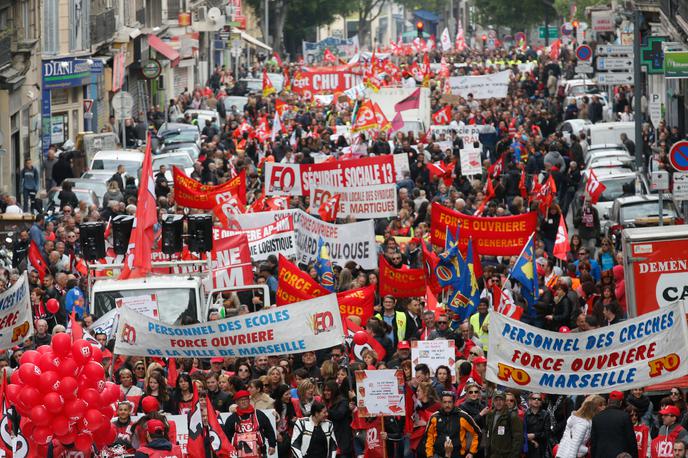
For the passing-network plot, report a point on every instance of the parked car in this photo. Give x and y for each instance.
(609, 158)
(132, 160)
(98, 186)
(180, 158)
(83, 195)
(617, 182)
(190, 148)
(572, 127)
(640, 211)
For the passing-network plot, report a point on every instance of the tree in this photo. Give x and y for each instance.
(563, 7)
(520, 15)
(368, 11)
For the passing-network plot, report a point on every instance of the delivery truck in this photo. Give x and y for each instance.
(655, 261)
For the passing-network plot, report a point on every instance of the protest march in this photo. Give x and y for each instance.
(418, 251)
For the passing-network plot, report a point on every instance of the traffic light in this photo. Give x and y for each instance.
(484, 38)
(419, 29)
(575, 29)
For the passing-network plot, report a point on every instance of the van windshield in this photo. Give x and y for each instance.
(174, 304)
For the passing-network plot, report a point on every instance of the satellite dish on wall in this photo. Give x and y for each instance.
(214, 14)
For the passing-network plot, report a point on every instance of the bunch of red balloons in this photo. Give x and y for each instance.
(61, 393)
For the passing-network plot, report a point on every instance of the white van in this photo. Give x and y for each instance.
(610, 132)
(132, 160)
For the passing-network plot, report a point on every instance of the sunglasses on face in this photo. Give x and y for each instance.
(535, 399)
(474, 392)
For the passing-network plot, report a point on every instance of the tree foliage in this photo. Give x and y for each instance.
(518, 15)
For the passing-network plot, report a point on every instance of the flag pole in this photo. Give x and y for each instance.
(522, 251)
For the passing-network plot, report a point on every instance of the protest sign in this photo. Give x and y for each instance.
(146, 304)
(272, 239)
(401, 164)
(364, 202)
(470, 161)
(16, 319)
(498, 236)
(631, 354)
(297, 179)
(401, 282)
(495, 85)
(230, 263)
(193, 194)
(468, 133)
(344, 242)
(380, 393)
(314, 51)
(305, 326)
(308, 84)
(434, 353)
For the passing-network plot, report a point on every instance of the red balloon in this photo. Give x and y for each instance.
(15, 378)
(40, 416)
(53, 305)
(68, 438)
(29, 397)
(360, 337)
(68, 367)
(91, 397)
(76, 408)
(42, 435)
(97, 354)
(83, 442)
(67, 388)
(93, 371)
(99, 386)
(108, 411)
(94, 419)
(44, 349)
(26, 426)
(81, 352)
(30, 373)
(49, 382)
(564, 329)
(29, 356)
(62, 344)
(49, 361)
(13, 391)
(61, 425)
(110, 394)
(53, 402)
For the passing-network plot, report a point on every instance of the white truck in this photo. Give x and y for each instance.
(609, 133)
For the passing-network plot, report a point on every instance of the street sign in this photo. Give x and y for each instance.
(654, 108)
(123, 104)
(615, 78)
(680, 190)
(614, 49)
(566, 28)
(584, 68)
(88, 105)
(584, 52)
(659, 181)
(553, 32)
(678, 156)
(614, 63)
(676, 64)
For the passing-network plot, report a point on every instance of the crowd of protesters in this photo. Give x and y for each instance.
(312, 395)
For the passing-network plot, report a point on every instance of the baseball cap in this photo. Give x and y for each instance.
(498, 394)
(155, 426)
(670, 410)
(403, 345)
(217, 360)
(241, 394)
(480, 360)
(616, 395)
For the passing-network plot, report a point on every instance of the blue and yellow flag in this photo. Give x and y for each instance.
(525, 272)
(323, 267)
(451, 267)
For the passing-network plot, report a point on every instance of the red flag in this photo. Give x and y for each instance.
(561, 245)
(431, 303)
(594, 188)
(397, 122)
(77, 330)
(329, 57)
(503, 304)
(329, 208)
(268, 88)
(172, 373)
(37, 261)
(278, 59)
(555, 49)
(430, 261)
(545, 194)
(195, 443)
(138, 258)
(489, 195)
(442, 117)
(411, 102)
(218, 439)
(400, 282)
(277, 203)
(442, 170)
(495, 170)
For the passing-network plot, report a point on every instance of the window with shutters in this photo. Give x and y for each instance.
(174, 7)
(50, 41)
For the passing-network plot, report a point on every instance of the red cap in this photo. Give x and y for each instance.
(155, 426)
(106, 354)
(616, 396)
(217, 360)
(480, 360)
(150, 404)
(241, 394)
(404, 345)
(670, 410)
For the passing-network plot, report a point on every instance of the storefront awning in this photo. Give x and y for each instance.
(250, 39)
(163, 48)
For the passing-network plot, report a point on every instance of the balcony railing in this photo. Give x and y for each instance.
(103, 26)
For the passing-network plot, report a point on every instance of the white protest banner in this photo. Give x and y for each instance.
(106, 324)
(632, 354)
(366, 202)
(146, 304)
(16, 317)
(467, 133)
(495, 85)
(304, 326)
(297, 179)
(345, 242)
(434, 353)
(271, 239)
(380, 393)
(470, 162)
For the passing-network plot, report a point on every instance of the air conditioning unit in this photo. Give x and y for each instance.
(201, 14)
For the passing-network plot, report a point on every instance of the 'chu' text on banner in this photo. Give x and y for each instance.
(632, 354)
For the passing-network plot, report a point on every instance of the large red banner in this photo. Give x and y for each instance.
(401, 282)
(297, 179)
(231, 262)
(194, 194)
(323, 82)
(499, 236)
